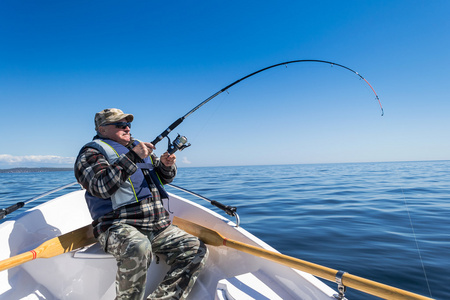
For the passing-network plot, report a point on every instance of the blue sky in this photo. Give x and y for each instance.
(63, 61)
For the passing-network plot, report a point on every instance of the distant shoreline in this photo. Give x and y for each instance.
(34, 170)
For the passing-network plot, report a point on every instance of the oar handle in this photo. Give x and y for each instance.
(379, 289)
(17, 260)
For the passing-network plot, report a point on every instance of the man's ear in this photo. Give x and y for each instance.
(102, 130)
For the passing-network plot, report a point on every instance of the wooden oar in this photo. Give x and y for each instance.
(56, 246)
(214, 238)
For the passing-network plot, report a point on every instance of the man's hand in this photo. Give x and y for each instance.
(143, 149)
(168, 160)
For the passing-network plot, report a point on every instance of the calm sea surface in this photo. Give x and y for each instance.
(388, 222)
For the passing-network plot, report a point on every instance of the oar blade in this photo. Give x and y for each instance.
(207, 235)
(67, 242)
(78, 238)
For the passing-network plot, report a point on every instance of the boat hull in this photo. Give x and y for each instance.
(89, 273)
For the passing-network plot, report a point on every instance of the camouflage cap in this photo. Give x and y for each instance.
(110, 115)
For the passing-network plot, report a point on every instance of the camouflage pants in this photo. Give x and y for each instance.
(134, 249)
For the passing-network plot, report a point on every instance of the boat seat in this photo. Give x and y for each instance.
(244, 287)
(93, 251)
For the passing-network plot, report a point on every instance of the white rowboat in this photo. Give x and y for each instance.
(235, 267)
(89, 273)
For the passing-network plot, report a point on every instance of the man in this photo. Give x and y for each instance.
(124, 181)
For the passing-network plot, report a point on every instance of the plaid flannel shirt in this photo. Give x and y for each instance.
(103, 179)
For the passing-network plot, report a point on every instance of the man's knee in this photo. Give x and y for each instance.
(127, 242)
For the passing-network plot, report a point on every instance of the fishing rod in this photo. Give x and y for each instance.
(14, 207)
(180, 141)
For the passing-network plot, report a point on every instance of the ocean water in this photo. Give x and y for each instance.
(388, 222)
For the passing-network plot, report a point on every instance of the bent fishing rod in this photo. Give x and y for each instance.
(181, 141)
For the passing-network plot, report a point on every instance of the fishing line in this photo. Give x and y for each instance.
(416, 242)
(181, 119)
(414, 235)
(212, 115)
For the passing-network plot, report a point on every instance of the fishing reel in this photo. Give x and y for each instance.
(179, 143)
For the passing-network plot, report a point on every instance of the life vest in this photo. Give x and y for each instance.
(133, 190)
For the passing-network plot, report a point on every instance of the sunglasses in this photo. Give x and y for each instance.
(121, 125)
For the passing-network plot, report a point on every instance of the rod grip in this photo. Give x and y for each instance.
(167, 131)
(8, 210)
(230, 210)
